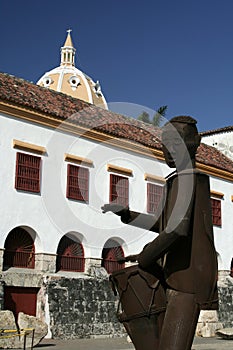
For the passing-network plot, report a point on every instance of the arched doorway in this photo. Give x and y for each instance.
(19, 250)
(70, 255)
(111, 252)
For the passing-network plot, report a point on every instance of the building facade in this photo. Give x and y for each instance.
(62, 159)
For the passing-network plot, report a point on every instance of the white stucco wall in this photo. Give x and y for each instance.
(224, 235)
(222, 141)
(51, 215)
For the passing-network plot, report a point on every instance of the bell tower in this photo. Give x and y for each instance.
(68, 51)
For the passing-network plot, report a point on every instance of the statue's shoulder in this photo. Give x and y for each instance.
(200, 174)
(196, 175)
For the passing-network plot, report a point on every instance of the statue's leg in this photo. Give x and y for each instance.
(180, 321)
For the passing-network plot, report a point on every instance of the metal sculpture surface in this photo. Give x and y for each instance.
(181, 262)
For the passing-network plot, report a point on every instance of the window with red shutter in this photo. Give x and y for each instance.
(119, 190)
(19, 250)
(216, 212)
(77, 183)
(154, 195)
(27, 176)
(70, 255)
(111, 252)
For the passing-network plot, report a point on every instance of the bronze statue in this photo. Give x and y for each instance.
(184, 251)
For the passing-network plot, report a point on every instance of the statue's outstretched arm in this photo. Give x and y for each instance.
(144, 221)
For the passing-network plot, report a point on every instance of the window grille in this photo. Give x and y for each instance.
(19, 250)
(216, 212)
(27, 177)
(154, 195)
(110, 257)
(119, 190)
(70, 256)
(77, 183)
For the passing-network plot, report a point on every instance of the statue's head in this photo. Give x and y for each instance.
(180, 140)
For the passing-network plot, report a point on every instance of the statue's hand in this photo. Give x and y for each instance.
(131, 258)
(115, 208)
(121, 260)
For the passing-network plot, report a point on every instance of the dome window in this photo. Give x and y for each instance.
(74, 81)
(97, 88)
(47, 81)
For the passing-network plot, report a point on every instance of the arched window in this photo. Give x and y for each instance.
(19, 250)
(70, 255)
(112, 251)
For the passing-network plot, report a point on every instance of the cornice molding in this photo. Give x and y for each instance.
(216, 172)
(46, 120)
(32, 116)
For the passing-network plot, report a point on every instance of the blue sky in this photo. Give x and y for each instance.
(148, 53)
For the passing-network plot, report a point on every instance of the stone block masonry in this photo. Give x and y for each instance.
(86, 307)
(225, 312)
(77, 305)
(82, 308)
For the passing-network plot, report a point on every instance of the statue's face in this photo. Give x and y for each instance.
(176, 137)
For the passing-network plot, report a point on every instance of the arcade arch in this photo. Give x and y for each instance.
(112, 251)
(70, 254)
(19, 248)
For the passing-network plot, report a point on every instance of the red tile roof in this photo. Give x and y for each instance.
(211, 156)
(63, 107)
(217, 131)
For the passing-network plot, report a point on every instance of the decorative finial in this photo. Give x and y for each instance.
(68, 51)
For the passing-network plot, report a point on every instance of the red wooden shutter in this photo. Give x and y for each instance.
(77, 183)
(154, 195)
(110, 256)
(19, 250)
(119, 190)
(216, 212)
(27, 177)
(70, 255)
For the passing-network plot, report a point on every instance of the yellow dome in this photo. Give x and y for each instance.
(70, 80)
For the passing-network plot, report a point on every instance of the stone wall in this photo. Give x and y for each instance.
(82, 307)
(225, 312)
(1, 294)
(86, 307)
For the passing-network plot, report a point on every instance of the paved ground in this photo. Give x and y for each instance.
(122, 344)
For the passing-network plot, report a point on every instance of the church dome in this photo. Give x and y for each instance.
(70, 80)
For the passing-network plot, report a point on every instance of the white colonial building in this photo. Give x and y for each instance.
(63, 158)
(221, 138)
